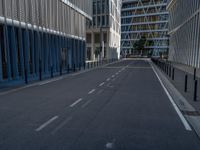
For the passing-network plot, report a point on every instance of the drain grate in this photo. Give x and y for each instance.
(190, 113)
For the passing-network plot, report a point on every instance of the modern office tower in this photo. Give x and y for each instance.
(40, 38)
(103, 33)
(147, 19)
(184, 31)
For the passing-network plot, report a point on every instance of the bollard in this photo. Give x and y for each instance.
(61, 69)
(195, 90)
(26, 78)
(40, 74)
(74, 68)
(186, 82)
(173, 72)
(79, 66)
(88, 64)
(170, 71)
(167, 69)
(195, 71)
(84, 65)
(68, 68)
(51, 71)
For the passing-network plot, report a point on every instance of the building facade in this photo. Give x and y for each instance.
(103, 33)
(184, 31)
(41, 37)
(144, 18)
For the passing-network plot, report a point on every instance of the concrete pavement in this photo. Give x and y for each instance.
(121, 106)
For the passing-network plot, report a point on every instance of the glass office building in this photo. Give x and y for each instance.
(103, 33)
(144, 18)
(184, 31)
(41, 36)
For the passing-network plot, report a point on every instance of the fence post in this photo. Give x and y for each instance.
(195, 71)
(170, 70)
(68, 68)
(60, 68)
(173, 72)
(51, 71)
(74, 68)
(195, 90)
(26, 78)
(186, 82)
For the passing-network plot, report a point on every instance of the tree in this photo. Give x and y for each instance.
(150, 51)
(140, 45)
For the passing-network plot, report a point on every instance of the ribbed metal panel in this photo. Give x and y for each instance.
(184, 30)
(33, 8)
(14, 10)
(22, 10)
(8, 5)
(52, 14)
(1, 7)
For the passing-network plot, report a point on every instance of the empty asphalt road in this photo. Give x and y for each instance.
(122, 106)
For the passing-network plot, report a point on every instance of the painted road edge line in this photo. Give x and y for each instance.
(184, 121)
(46, 123)
(76, 102)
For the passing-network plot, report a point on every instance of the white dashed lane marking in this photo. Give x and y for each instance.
(101, 84)
(46, 123)
(76, 102)
(92, 91)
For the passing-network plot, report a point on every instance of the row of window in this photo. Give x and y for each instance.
(144, 27)
(144, 11)
(145, 34)
(144, 3)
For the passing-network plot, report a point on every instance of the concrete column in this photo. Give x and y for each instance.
(92, 47)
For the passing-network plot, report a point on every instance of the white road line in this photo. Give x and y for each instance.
(113, 76)
(185, 123)
(76, 102)
(108, 79)
(116, 73)
(46, 123)
(92, 91)
(61, 125)
(101, 84)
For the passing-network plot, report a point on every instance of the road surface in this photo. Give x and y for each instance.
(122, 106)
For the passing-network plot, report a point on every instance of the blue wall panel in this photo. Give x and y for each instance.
(1, 67)
(7, 48)
(13, 54)
(34, 50)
